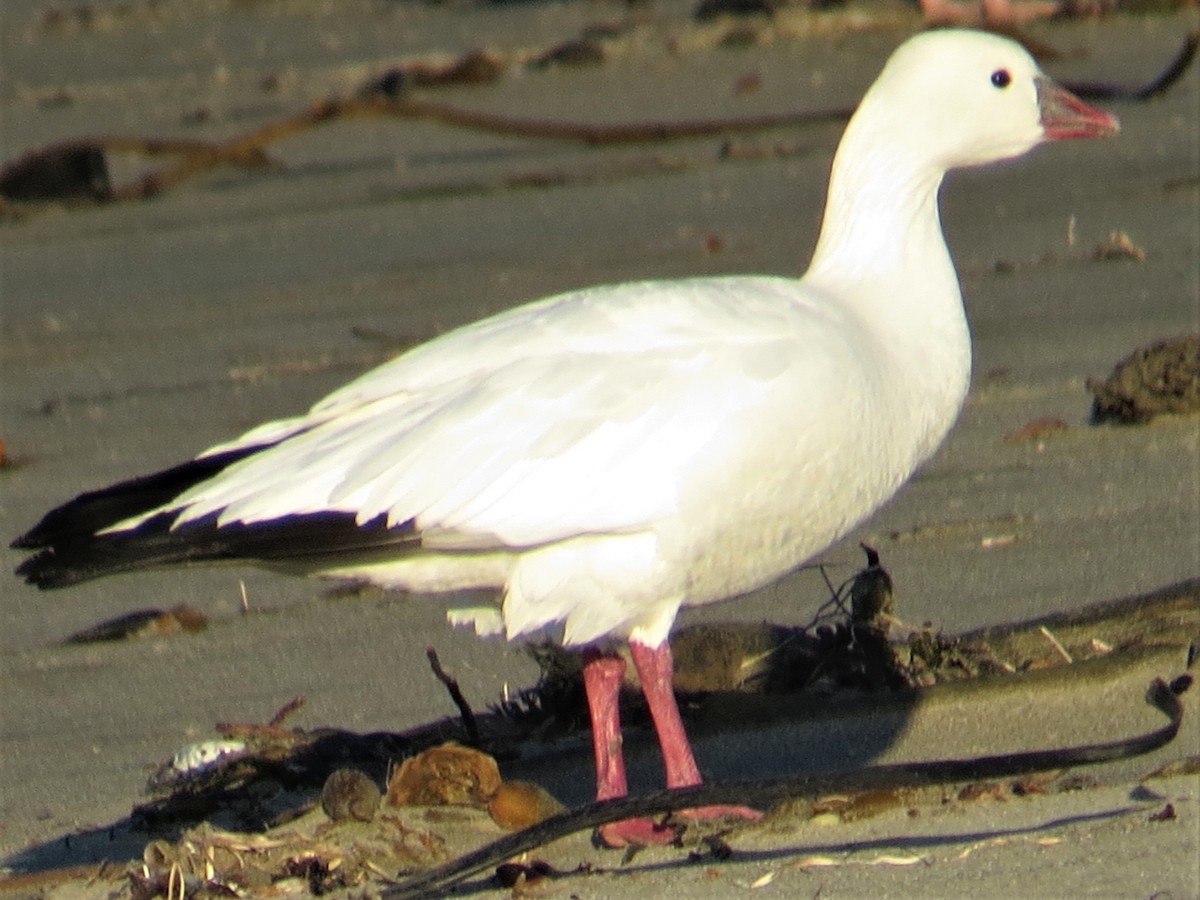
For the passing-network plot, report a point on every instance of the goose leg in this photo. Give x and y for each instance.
(602, 673)
(655, 668)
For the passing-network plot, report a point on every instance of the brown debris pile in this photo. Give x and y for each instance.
(314, 858)
(258, 776)
(358, 836)
(1161, 377)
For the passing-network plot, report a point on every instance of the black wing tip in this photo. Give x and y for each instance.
(45, 572)
(95, 511)
(62, 560)
(311, 540)
(33, 539)
(75, 542)
(44, 569)
(24, 542)
(68, 545)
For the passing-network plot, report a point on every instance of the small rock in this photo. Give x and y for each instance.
(447, 775)
(74, 171)
(350, 794)
(519, 804)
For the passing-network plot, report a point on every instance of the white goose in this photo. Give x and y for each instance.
(610, 455)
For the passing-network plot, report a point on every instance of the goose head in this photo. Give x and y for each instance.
(945, 99)
(954, 98)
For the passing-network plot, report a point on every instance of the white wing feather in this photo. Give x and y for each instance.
(528, 427)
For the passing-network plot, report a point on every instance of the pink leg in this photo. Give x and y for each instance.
(602, 681)
(602, 674)
(655, 669)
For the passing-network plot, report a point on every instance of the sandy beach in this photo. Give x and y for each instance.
(135, 334)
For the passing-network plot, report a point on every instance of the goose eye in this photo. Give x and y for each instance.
(1001, 78)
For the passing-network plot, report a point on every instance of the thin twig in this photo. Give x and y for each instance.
(286, 710)
(1056, 644)
(464, 708)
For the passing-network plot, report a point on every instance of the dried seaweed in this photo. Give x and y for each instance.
(1160, 378)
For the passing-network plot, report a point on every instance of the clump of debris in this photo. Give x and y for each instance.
(1162, 377)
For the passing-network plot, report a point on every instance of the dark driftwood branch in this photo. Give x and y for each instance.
(255, 141)
(1098, 90)
(77, 169)
(1162, 696)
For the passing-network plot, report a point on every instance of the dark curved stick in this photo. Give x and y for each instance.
(1100, 90)
(1162, 696)
(252, 145)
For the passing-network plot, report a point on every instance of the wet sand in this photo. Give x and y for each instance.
(136, 334)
